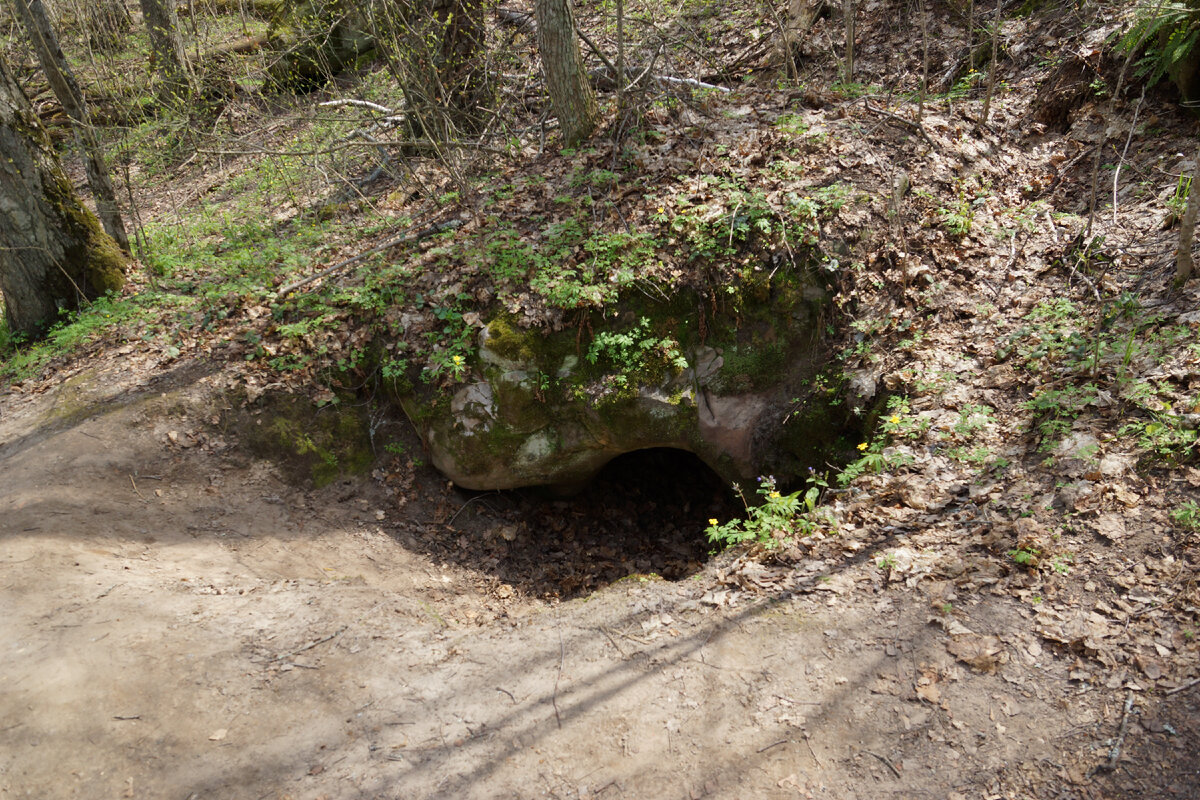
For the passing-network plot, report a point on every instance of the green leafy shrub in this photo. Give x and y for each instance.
(777, 517)
(1166, 34)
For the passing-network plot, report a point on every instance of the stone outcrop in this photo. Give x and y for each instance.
(718, 380)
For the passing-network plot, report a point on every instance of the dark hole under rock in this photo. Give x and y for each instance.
(644, 513)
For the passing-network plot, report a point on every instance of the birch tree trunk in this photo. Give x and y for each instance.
(562, 64)
(62, 80)
(53, 253)
(166, 46)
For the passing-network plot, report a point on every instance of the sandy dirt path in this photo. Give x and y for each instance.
(181, 623)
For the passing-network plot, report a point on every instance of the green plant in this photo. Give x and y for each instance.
(1177, 202)
(633, 352)
(1062, 562)
(1056, 409)
(959, 218)
(972, 418)
(874, 459)
(901, 422)
(451, 346)
(792, 123)
(1025, 556)
(886, 562)
(1166, 34)
(775, 518)
(1187, 515)
(963, 86)
(1166, 438)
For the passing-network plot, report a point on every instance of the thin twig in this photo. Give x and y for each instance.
(916, 126)
(772, 744)
(390, 243)
(311, 645)
(812, 752)
(1185, 686)
(613, 641)
(1114, 755)
(464, 505)
(562, 659)
(1121, 160)
(1053, 229)
(135, 489)
(592, 45)
(335, 148)
(886, 761)
(507, 692)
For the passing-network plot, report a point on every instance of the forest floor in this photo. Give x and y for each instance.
(183, 621)
(1005, 607)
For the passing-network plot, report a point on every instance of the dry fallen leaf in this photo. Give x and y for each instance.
(218, 735)
(982, 653)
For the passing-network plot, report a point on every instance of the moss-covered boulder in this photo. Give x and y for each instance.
(716, 376)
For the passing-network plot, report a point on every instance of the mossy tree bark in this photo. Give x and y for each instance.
(562, 64)
(36, 21)
(53, 252)
(166, 44)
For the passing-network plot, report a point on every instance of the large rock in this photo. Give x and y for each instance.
(552, 408)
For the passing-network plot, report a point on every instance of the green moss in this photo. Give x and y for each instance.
(510, 342)
(751, 367)
(318, 445)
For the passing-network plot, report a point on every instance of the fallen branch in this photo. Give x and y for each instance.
(1114, 755)
(887, 762)
(695, 84)
(1183, 687)
(390, 119)
(311, 645)
(262, 151)
(592, 45)
(916, 126)
(404, 238)
(1121, 161)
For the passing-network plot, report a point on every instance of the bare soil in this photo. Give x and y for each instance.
(183, 622)
(182, 619)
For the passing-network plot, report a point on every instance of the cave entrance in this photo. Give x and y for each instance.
(644, 513)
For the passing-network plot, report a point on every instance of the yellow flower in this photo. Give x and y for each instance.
(863, 446)
(773, 495)
(457, 359)
(662, 210)
(895, 419)
(712, 521)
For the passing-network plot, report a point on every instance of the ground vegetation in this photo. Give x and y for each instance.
(983, 584)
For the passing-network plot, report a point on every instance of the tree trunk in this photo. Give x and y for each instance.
(562, 64)
(462, 64)
(850, 10)
(167, 51)
(62, 80)
(1185, 265)
(53, 253)
(108, 21)
(436, 49)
